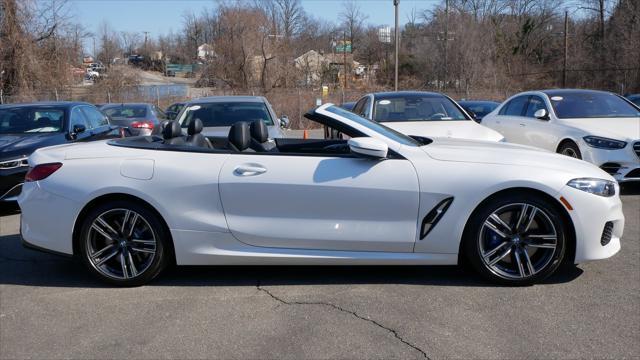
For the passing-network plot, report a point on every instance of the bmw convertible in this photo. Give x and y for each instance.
(130, 207)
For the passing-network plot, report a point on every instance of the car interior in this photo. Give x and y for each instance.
(243, 136)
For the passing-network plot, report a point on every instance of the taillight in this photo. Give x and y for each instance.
(42, 171)
(142, 125)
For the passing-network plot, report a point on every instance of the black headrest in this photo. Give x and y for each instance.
(239, 136)
(172, 130)
(195, 127)
(259, 131)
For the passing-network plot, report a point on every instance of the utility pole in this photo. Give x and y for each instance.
(446, 39)
(146, 36)
(566, 49)
(396, 4)
(344, 57)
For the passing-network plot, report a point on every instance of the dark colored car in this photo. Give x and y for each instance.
(173, 110)
(634, 98)
(25, 128)
(348, 105)
(478, 108)
(139, 118)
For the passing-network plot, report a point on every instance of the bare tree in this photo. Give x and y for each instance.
(352, 20)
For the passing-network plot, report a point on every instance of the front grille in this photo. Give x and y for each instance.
(635, 173)
(636, 148)
(607, 233)
(610, 168)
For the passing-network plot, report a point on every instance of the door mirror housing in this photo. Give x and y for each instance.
(541, 114)
(77, 129)
(284, 122)
(368, 147)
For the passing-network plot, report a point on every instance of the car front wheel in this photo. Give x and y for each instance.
(516, 239)
(124, 243)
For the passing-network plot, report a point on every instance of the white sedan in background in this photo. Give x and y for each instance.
(423, 113)
(128, 208)
(596, 126)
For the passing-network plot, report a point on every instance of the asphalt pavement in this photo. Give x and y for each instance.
(51, 308)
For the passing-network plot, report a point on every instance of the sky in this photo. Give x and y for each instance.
(162, 16)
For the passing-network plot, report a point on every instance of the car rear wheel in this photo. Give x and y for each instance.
(124, 243)
(570, 148)
(515, 239)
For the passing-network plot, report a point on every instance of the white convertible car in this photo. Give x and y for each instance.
(129, 207)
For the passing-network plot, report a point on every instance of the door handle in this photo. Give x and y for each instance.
(247, 170)
(522, 125)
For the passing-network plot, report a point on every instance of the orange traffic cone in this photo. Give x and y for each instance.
(305, 135)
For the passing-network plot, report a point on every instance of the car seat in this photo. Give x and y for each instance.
(195, 138)
(172, 134)
(260, 137)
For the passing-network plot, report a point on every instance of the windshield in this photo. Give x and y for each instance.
(572, 105)
(379, 128)
(30, 120)
(226, 113)
(416, 108)
(126, 111)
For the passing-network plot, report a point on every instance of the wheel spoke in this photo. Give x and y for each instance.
(527, 261)
(106, 225)
(115, 252)
(132, 266)
(124, 265)
(100, 231)
(495, 223)
(102, 251)
(542, 241)
(525, 219)
(519, 262)
(500, 257)
(127, 213)
(148, 251)
(495, 250)
(132, 225)
(146, 242)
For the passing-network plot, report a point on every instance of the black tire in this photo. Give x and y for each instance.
(547, 219)
(148, 224)
(569, 148)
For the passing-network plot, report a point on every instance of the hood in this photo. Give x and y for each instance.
(461, 129)
(626, 129)
(510, 154)
(223, 131)
(16, 145)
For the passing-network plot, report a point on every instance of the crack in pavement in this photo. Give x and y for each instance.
(352, 313)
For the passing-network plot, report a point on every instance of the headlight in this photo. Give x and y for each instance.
(604, 143)
(600, 187)
(14, 163)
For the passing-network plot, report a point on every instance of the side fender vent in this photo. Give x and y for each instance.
(431, 219)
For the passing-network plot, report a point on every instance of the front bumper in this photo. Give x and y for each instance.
(590, 215)
(622, 164)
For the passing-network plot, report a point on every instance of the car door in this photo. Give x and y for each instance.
(320, 201)
(78, 117)
(537, 132)
(510, 119)
(98, 122)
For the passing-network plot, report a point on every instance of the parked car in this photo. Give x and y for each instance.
(596, 126)
(173, 110)
(380, 197)
(27, 127)
(634, 98)
(423, 114)
(478, 108)
(140, 118)
(219, 113)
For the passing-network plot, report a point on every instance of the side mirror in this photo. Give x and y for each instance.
(541, 114)
(77, 129)
(368, 147)
(284, 122)
(473, 116)
(171, 115)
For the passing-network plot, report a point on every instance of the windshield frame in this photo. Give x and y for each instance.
(105, 109)
(182, 116)
(33, 109)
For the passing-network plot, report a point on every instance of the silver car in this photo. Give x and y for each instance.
(139, 118)
(218, 113)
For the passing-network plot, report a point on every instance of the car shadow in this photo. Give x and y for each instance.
(26, 267)
(630, 188)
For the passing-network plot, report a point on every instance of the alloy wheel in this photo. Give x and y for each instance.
(120, 244)
(570, 152)
(517, 241)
